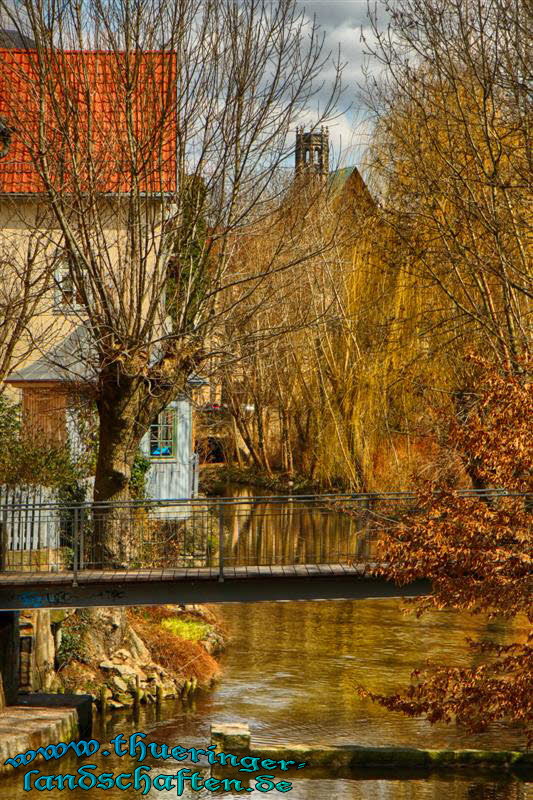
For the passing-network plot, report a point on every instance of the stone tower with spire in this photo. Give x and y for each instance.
(312, 152)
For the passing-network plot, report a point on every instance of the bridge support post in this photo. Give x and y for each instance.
(231, 738)
(220, 544)
(9, 654)
(75, 546)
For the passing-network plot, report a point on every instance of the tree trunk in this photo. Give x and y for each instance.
(463, 400)
(262, 446)
(236, 448)
(127, 403)
(115, 460)
(120, 433)
(244, 430)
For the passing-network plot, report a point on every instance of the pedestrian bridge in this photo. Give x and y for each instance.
(202, 550)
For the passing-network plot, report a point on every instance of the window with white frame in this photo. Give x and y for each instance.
(163, 439)
(67, 297)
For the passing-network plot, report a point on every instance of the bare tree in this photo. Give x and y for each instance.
(24, 279)
(151, 153)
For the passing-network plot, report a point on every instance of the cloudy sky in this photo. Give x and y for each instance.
(341, 21)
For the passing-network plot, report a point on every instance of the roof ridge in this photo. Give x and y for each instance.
(58, 50)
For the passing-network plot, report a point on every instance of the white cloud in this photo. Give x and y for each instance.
(342, 21)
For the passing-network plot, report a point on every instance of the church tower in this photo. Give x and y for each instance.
(312, 153)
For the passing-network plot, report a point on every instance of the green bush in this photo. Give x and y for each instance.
(141, 465)
(70, 649)
(185, 629)
(26, 461)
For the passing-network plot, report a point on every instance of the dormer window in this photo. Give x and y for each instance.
(5, 137)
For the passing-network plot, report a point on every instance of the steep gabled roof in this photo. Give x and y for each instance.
(338, 177)
(350, 179)
(82, 105)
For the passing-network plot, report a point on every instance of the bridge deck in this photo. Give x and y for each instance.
(177, 574)
(196, 585)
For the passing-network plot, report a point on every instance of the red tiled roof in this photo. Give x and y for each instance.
(81, 104)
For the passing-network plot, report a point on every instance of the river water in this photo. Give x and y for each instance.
(290, 672)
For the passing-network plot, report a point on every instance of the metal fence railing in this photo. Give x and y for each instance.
(218, 533)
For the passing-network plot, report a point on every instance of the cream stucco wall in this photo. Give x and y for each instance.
(27, 233)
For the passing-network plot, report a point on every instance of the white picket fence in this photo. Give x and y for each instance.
(29, 525)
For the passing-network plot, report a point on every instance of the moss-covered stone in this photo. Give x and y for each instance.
(445, 758)
(399, 757)
(124, 699)
(358, 758)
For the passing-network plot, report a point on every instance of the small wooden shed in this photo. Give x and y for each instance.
(52, 390)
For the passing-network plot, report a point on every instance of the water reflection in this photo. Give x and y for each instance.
(295, 532)
(293, 669)
(291, 672)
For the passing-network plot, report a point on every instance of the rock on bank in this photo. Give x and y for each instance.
(122, 656)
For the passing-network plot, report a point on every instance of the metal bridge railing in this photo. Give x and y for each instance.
(216, 533)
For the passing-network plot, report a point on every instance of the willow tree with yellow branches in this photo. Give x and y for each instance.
(332, 398)
(452, 160)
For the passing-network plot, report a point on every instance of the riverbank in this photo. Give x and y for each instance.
(123, 657)
(215, 478)
(110, 660)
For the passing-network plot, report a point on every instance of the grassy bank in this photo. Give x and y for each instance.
(183, 642)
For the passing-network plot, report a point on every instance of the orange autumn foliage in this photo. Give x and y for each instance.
(180, 657)
(478, 554)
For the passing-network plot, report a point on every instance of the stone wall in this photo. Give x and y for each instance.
(24, 729)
